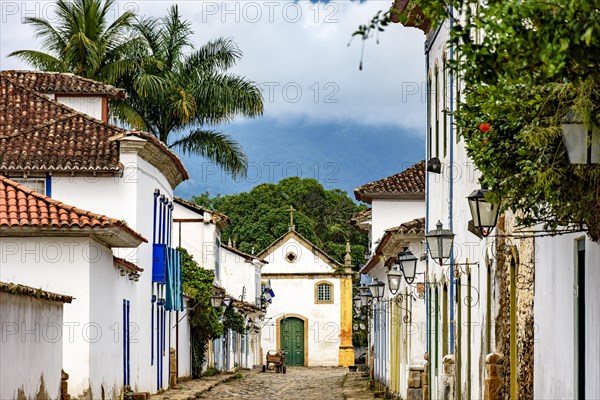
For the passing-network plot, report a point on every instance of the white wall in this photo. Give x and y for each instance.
(130, 198)
(198, 238)
(90, 105)
(554, 318)
(238, 274)
(93, 325)
(31, 346)
(389, 213)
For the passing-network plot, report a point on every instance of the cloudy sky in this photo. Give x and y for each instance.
(323, 117)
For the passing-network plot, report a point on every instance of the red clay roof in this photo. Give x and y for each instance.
(62, 83)
(22, 208)
(16, 289)
(41, 135)
(408, 183)
(123, 263)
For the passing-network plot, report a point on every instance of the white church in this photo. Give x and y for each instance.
(310, 317)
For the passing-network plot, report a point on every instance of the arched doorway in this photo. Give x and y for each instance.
(292, 340)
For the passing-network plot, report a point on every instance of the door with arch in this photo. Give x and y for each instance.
(292, 340)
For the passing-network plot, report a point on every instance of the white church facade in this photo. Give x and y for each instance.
(310, 317)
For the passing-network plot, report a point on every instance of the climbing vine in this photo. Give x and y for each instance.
(204, 320)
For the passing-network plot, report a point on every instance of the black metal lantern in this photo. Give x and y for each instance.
(377, 288)
(357, 301)
(408, 265)
(439, 242)
(581, 142)
(365, 295)
(485, 215)
(394, 276)
(216, 301)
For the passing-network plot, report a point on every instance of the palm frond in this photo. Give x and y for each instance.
(222, 97)
(221, 54)
(128, 115)
(40, 60)
(216, 147)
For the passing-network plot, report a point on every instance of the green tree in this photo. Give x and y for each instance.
(525, 66)
(193, 92)
(83, 42)
(262, 215)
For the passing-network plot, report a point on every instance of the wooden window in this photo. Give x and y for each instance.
(323, 292)
(37, 184)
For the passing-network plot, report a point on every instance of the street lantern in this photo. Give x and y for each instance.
(408, 265)
(377, 288)
(439, 242)
(365, 295)
(485, 215)
(216, 301)
(394, 276)
(581, 142)
(357, 301)
(226, 302)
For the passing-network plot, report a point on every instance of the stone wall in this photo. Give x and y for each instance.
(521, 250)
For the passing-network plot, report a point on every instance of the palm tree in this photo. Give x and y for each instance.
(185, 91)
(82, 41)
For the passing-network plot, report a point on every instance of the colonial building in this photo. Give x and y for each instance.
(237, 276)
(122, 270)
(310, 317)
(396, 223)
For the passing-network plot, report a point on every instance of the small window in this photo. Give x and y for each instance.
(323, 292)
(291, 257)
(37, 184)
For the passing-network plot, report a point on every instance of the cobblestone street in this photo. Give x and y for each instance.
(299, 383)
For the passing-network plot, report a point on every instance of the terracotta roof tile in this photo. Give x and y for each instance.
(41, 135)
(414, 227)
(409, 182)
(38, 134)
(127, 265)
(16, 289)
(21, 207)
(62, 83)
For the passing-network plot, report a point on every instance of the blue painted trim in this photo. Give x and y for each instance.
(48, 186)
(163, 237)
(156, 192)
(451, 189)
(160, 217)
(152, 331)
(128, 346)
(124, 345)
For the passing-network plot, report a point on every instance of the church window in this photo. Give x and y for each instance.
(291, 257)
(323, 292)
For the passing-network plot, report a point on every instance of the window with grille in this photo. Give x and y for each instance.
(37, 184)
(324, 292)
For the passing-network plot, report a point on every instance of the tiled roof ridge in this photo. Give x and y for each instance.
(23, 290)
(91, 120)
(108, 88)
(127, 264)
(103, 220)
(198, 207)
(409, 181)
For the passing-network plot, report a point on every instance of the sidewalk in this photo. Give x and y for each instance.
(190, 390)
(356, 387)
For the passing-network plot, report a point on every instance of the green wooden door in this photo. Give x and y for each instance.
(292, 340)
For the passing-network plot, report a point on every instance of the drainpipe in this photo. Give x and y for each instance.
(451, 191)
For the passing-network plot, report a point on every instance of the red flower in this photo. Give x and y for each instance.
(484, 127)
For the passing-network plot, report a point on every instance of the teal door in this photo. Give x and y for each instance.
(292, 340)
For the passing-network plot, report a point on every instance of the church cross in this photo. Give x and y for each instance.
(292, 226)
